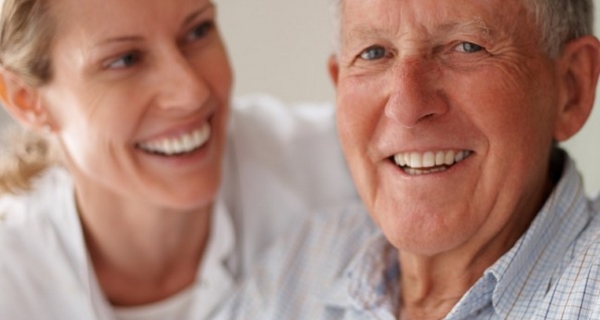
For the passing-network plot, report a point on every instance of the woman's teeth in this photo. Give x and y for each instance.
(179, 145)
(429, 162)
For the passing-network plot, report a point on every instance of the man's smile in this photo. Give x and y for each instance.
(417, 163)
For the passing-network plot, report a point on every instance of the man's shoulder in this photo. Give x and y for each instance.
(575, 292)
(587, 247)
(347, 220)
(321, 247)
(298, 272)
(328, 239)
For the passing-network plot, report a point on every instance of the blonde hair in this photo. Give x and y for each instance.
(26, 32)
(25, 155)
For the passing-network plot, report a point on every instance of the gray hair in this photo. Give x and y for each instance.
(560, 21)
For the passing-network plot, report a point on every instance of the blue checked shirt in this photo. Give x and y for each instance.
(340, 266)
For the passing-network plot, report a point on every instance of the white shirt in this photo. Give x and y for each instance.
(213, 284)
(281, 162)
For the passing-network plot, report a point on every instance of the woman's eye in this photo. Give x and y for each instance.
(200, 31)
(124, 61)
(373, 53)
(468, 47)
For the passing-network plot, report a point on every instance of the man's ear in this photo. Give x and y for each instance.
(334, 68)
(21, 101)
(579, 66)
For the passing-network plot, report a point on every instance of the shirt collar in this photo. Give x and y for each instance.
(519, 275)
(370, 279)
(214, 276)
(221, 243)
(215, 281)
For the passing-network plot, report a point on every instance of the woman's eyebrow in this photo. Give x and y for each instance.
(190, 18)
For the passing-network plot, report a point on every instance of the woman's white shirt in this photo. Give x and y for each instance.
(281, 162)
(45, 271)
(213, 282)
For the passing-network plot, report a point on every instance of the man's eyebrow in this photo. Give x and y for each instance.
(363, 32)
(477, 26)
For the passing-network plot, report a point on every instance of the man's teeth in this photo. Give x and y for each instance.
(430, 159)
(181, 144)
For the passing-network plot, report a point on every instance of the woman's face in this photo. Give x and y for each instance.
(139, 98)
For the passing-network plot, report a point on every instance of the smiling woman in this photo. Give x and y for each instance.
(123, 194)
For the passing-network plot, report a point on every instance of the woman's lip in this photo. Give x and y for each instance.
(178, 145)
(177, 131)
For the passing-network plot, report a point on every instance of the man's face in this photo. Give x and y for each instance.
(446, 111)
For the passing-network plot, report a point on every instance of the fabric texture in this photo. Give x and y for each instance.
(340, 266)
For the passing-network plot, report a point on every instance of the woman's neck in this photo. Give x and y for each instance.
(141, 253)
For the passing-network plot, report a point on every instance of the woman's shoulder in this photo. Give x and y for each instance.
(38, 247)
(32, 206)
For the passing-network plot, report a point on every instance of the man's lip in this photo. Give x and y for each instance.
(430, 158)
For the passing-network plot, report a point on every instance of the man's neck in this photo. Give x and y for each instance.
(432, 285)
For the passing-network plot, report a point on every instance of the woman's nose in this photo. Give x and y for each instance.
(182, 86)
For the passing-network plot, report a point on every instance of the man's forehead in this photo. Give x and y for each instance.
(474, 26)
(489, 18)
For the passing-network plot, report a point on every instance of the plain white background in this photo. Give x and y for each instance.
(281, 47)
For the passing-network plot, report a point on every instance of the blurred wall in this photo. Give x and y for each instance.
(279, 46)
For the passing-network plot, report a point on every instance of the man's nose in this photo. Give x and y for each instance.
(415, 92)
(182, 87)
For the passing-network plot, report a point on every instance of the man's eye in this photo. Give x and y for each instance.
(124, 61)
(468, 47)
(200, 31)
(373, 53)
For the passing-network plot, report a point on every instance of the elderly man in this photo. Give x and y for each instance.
(449, 114)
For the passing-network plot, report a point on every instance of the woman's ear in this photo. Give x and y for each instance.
(579, 66)
(22, 101)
